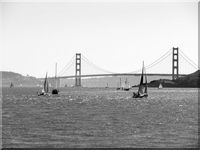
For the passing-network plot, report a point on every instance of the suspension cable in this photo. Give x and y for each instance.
(164, 56)
(158, 61)
(67, 66)
(188, 59)
(189, 62)
(95, 66)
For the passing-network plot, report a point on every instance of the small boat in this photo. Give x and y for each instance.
(142, 91)
(45, 90)
(55, 90)
(160, 86)
(127, 86)
(107, 86)
(119, 87)
(11, 85)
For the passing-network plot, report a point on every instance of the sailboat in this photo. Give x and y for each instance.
(55, 90)
(127, 86)
(142, 91)
(45, 90)
(107, 85)
(160, 86)
(120, 85)
(11, 85)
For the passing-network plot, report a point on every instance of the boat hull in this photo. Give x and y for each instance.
(43, 94)
(54, 91)
(126, 89)
(139, 95)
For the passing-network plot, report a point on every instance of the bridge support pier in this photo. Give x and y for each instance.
(175, 64)
(78, 70)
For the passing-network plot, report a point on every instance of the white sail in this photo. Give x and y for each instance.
(160, 86)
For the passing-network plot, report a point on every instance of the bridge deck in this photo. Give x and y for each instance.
(117, 74)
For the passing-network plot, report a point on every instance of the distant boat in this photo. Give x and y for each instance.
(160, 86)
(107, 85)
(55, 90)
(127, 86)
(11, 85)
(120, 85)
(142, 91)
(45, 90)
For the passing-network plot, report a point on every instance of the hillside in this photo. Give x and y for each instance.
(191, 80)
(10, 75)
(17, 79)
(111, 81)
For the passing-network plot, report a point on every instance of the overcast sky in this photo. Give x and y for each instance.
(115, 36)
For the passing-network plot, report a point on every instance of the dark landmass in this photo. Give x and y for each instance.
(191, 80)
(18, 80)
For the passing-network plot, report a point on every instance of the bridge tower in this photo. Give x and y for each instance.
(175, 63)
(78, 70)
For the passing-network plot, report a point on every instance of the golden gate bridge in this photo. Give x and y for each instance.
(79, 58)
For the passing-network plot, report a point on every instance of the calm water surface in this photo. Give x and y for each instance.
(99, 117)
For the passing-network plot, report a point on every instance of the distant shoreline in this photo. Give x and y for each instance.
(188, 81)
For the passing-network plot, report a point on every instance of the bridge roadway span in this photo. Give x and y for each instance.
(116, 74)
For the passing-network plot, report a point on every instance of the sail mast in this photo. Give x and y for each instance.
(140, 90)
(120, 83)
(56, 75)
(145, 91)
(45, 82)
(141, 80)
(46, 85)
